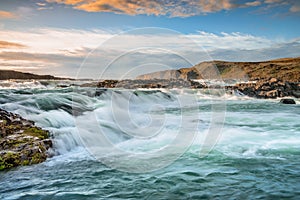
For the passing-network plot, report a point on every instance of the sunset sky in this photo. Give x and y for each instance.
(112, 38)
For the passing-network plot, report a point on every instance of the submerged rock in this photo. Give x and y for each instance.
(21, 143)
(287, 101)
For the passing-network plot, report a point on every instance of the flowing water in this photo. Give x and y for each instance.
(256, 156)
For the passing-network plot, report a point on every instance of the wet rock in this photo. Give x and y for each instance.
(287, 101)
(135, 83)
(100, 91)
(21, 143)
(296, 94)
(260, 88)
(272, 94)
(271, 88)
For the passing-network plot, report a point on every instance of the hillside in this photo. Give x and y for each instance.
(10, 74)
(287, 69)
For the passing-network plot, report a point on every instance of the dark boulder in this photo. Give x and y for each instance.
(287, 101)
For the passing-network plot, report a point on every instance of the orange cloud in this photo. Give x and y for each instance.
(6, 14)
(6, 45)
(183, 8)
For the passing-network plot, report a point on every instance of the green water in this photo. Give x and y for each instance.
(257, 156)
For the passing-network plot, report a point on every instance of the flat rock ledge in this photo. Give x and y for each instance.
(21, 142)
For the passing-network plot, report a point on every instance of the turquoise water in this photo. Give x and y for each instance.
(257, 155)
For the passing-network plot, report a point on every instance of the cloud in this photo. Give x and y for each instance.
(47, 58)
(295, 8)
(290, 49)
(61, 52)
(6, 45)
(273, 1)
(7, 15)
(235, 40)
(43, 6)
(52, 40)
(294, 5)
(254, 3)
(177, 8)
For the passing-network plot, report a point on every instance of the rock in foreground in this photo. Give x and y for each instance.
(21, 143)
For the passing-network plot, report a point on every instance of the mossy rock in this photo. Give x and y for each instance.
(9, 159)
(37, 158)
(37, 132)
(2, 164)
(21, 143)
(14, 159)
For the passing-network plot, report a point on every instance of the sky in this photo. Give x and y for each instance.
(124, 38)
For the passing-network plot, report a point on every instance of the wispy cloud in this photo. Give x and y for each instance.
(253, 3)
(7, 15)
(182, 8)
(18, 13)
(294, 5)
(6, 45)
(52, 40)
(43, 6)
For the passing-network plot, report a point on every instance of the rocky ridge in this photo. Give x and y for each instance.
(21, 142)
(287, 69)
(10, 74)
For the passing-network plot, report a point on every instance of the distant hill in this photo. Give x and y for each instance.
(10, 74)
(287, 69)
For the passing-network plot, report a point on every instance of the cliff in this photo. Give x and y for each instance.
(287, 69)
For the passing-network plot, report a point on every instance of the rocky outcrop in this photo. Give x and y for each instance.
(287, 69)
(268, 88)
(21, 142)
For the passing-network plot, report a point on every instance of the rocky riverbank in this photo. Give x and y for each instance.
(262, 88)
(268, 88)
(135, 83)
(21, 142)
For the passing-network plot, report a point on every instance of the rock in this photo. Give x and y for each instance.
(272, 94)
(296, 94)
(287, 101)
(272, 88)
(21, 143)
(100, 91)
(273, 80)
(288, 85)
(266, 88)
(262, 88)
